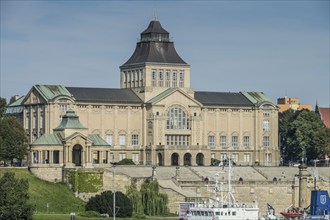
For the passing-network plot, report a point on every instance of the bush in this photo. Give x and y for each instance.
(103, 203)
(126, 162)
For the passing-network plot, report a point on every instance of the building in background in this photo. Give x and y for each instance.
(154, 118)
(291, 103)
(325, 116)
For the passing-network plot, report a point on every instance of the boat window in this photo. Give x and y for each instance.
(206, 213)
(217, 213)
(228, 213)
(198, 213)
(221, 213)
(210, 213)
(234, 213)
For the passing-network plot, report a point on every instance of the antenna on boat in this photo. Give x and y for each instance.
(231, 198)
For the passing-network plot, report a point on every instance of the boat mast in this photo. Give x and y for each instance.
(231, 198)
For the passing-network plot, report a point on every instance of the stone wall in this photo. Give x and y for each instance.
(51, 174)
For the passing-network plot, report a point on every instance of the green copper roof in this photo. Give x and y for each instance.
(49, 92)
(18, 102)
(70, 121)
(97, 140)
(47, 139)
(258, 98)
(162, 95)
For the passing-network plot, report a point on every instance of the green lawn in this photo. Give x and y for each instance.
(59, 198)
(57, 195)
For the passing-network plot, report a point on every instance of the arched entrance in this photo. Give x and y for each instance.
(76, 154)
(160, 159)
(187, 159)
(200, 159)
(175, 159)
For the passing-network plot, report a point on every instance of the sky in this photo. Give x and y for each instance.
(280, 48)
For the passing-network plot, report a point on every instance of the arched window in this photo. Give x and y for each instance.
(176, 118)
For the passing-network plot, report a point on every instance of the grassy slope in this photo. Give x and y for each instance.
(59, 198)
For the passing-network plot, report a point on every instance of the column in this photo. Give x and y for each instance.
(69, 154)
(51, 157)
(83, 157)
(101, 157)
(61, 157)
(39, 156)
(31, 157)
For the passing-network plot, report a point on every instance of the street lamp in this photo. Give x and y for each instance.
(114, 190)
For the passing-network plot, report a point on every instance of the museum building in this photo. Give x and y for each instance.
(154, 118)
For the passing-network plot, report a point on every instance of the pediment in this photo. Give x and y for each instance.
(33, 97)
(174, 95)
(78, 138)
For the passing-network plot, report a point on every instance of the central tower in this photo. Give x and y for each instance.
(155, 65)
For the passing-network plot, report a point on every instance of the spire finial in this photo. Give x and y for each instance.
(154, 10)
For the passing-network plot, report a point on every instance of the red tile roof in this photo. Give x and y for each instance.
(325, 116)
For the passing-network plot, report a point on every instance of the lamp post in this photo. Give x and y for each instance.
(114, 190)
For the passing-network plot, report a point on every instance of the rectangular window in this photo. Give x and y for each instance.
(135, 139)
(108, 138)
(246, 157)
(153, 74)
(266, 125)
(122, 156)
(63, 108)
(234, 141)
(181, 82)
(234, 157)
(266, 113)
(161, 75)
(246, 141)
(174, 78)
(174, 74)
(135, 158)
(181, 75)
(112, 158)
(153, 77)
(223, 157)
(168, 78)
(168, 75)
(27, 121)
(211, 140)
(122, 139)
(223, 141)
(266, 141)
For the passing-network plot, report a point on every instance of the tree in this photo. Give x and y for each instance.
(14, 197)
(103, 203)
(12, 99)
(3, 104)
(154, 202)
(12, 139)
(303, 135)
(135, 197)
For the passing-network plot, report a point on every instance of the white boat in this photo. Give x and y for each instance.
(221, 207)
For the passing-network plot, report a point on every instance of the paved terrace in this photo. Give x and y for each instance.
(199, 172)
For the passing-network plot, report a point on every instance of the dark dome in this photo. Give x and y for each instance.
(154, 47)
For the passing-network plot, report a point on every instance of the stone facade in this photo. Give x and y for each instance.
(156, 118)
